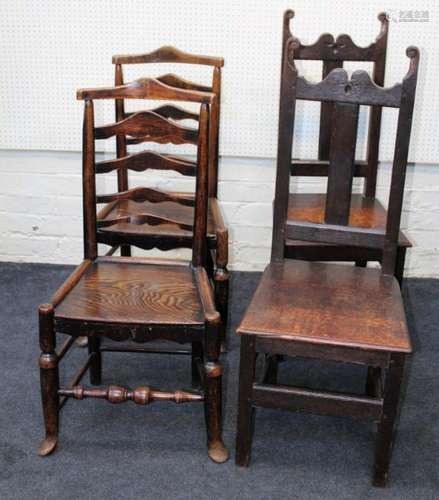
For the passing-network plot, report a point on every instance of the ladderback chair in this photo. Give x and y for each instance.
(217, 232)
(331, 311)
(365, 208)
(136, 298)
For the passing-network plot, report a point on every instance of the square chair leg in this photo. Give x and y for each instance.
(246, 410)
(386, 426)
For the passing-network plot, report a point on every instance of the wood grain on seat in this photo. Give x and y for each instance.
(328, 304)
(364, 212)
(112, 292)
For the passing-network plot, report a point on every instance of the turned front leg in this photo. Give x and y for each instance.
(213, 397)
(221, 282)
(49, 379)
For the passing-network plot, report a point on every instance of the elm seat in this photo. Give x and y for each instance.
(165, 210)
(112, 290)
(364, 212)
(328, 304)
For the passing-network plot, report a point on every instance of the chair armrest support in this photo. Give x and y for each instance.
(217, 216)
(211, 315)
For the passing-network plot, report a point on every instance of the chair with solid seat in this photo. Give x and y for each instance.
(333, 52)
(216, 230)
(136, 298)
(331, 311)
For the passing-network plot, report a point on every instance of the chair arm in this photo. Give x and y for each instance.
(211, 314)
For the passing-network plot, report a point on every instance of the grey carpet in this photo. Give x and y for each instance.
(125, 451)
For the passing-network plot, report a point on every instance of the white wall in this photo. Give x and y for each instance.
(40, 209)
(49, 48)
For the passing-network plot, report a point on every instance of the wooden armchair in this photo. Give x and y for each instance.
(137, 299)
(331, 311)
(217, 232)
(366, 211)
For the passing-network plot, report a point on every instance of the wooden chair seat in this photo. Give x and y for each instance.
(364, 212)
(173, 211)
(328, 304)
(133, 291)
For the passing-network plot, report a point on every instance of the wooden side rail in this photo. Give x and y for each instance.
(142, 395)
(143, 350)
(321, 402)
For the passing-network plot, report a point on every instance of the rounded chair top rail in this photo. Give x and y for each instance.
(168, 54)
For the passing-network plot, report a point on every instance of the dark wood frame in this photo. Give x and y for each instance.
(219, 244)
(204, 336)
(380, 402)
(333, 52)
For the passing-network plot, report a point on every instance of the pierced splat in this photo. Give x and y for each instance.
(333, 52)
(341, 48)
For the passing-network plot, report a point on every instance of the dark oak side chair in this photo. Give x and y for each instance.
(137, 299)
(366, 210)
(217, 233)
(331, 311)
